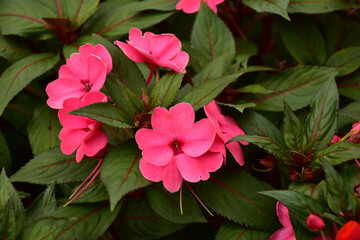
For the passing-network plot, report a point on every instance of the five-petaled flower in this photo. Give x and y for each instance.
(177, 148)
(226, 129)
(162, 50)
(192, 6)
(287, 232)
(84, 72)
(81, 133)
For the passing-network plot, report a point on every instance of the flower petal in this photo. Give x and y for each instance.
(285, 233)
(94, 97)
(97, 50)
(131, 52)
(189, 6)
(158, 155)
(150, 138)
(236, 151)
(165, 46)
(62, 89)
(198, 139)
(93, 144)
(283, 214)
(175, 121)
(194, 169)
(71, 139)
(169, 174)
(137, 40)
(96, 73)
(73, 121)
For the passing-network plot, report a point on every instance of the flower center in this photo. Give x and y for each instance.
(87, 84)
(176, 147)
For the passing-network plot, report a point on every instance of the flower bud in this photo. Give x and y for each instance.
(314, 222)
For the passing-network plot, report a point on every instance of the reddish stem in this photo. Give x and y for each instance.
(227, 10)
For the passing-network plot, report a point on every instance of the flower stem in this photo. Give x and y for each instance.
(345, 137)
(157, 74)
(197, 198)
(234, 22)
(322, 235)
(181, 207)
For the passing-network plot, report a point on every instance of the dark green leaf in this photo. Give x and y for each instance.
(44, 228)
(296, 86)
(232, 231)
(164, 91)
(11, 209)
(304, 41)
(339, 152)
(120, 172)
(13, 49)
(319, 6)
(53, 165)
(78, 11)
(96, 192)
(211, 37)
(234, 194)
(349, 114)
(272, 6)
(267, 144)
(24, 18)
(299, 204)
(5, 158)
(321, 123)
(133, 101)
(137, 221)
(350, 174)
(21, 73)
(350, 86)
(44, 129)
(207, 91)
(105, 113)
(338, 192)
(293, 130)
(255, 88)
(346, 60)
(43, 206)
(240, 107)
(86, 221)
(167, 205)
(74, 46)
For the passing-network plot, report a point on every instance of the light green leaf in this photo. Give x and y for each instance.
(21, 73)
(273, 6)
(321, 123)
(120, 172)
(53, 165)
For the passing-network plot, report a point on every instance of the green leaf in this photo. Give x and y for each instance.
(349, 114)
(11, 209)
(273, 6)
(5, 157)
(21, 73)
(346, 60)
(337, 190)
(43, 206)
(293, 131)
(105, 113)
(211, 37)
(269, 145)
(240, 107)
(296, 86)
(78, 11)
(24, 18)
(44, 228)
(96, 192)
(299, 204)
(120, 172)
(164, 91)
(13, 49)
(85, 221)
(133, 101)
(232, 231)
(350, 175)
(350, 86)
(339, 152)
(214, 69)
(247, 49)
(227, 194)
(255, 88)
(167, 205)
(207, 91)
(319, 6)
(44, 129)
(53, 165)
(121, 18)
(73, 47)
(137, 221)
(321, 123)
(303, 41)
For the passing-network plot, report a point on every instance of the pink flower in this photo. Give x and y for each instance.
(335, 139)
(192, 6)
(287, 232)
(84, 72)
(314, 222)
(81, 133)
(355, 132)
(176, 148)
(162, 50)
(226, 129)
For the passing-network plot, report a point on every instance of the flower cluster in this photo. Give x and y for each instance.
(78, 85)
(177, 148)
(192, 6)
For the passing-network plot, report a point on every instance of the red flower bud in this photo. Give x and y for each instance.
(350, 231)
(314, 222)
